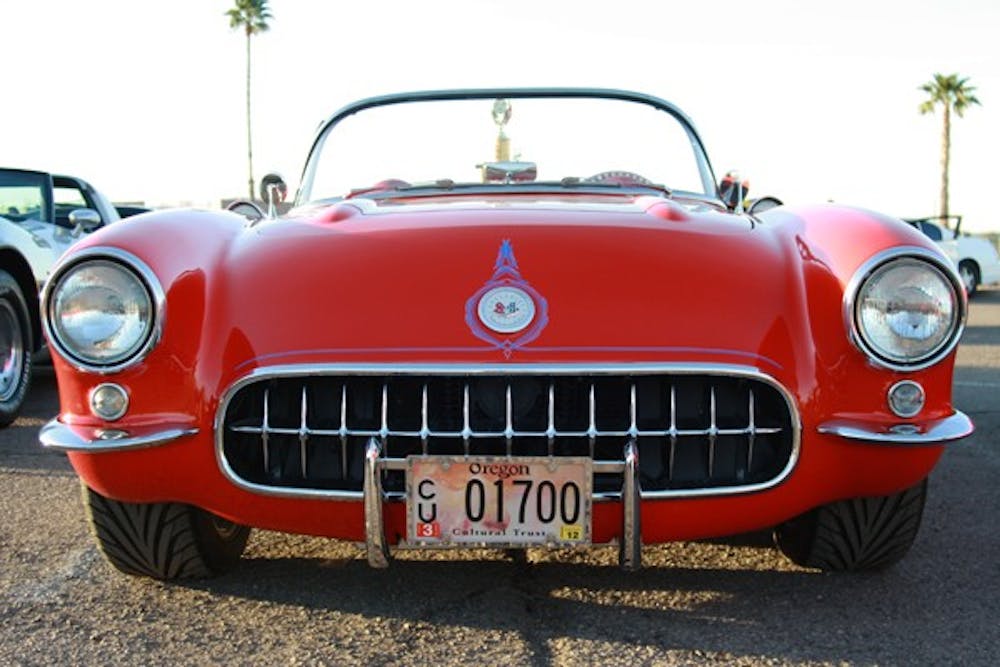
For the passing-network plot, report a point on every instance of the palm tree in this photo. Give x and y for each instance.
(951, 92)
(252, 16)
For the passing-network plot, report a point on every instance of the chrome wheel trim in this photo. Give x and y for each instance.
(224, 528)
(11, 351)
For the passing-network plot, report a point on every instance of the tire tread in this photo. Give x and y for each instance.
(856, 534)
(159, 540)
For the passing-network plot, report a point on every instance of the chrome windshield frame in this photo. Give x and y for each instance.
(706, 174)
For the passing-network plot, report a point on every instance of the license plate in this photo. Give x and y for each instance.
(498, 501)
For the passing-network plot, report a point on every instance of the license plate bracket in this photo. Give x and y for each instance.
(508, 502)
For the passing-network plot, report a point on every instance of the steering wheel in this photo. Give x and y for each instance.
(618, 177)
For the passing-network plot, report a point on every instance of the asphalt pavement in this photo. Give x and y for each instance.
(299, 600)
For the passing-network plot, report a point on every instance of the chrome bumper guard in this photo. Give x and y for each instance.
(56, 435)
(938, 432)
(377, 546)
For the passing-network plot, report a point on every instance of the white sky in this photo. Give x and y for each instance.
(809, 100)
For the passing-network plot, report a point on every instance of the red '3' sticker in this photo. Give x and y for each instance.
(432, 529)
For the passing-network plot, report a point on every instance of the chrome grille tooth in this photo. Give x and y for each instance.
(466, 428)
(384, 430)
(752, 432)
(264, 427)
(550, 432)
(633, 429)
(713, 430)
(342, 431)
(592, 409)
(303, 431)
(424, 428)
(673, 431)
(509, 430)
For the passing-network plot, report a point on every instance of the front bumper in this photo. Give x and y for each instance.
(90, 447)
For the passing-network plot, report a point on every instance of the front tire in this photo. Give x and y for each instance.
(969, 271)
(855, 535)
(15, 349)
(164, 540)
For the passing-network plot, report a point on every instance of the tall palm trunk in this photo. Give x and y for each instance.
(249, 133)
(945, 160)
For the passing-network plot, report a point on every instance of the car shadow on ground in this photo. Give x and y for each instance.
(761, 612)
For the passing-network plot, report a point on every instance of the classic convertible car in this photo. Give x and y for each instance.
(508, 319)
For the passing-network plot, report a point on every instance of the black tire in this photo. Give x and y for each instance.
(164, 540)
(855, 535)
(15, 349)
(969, 271)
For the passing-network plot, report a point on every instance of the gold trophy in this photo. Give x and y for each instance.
(501, 116)
(505, 170)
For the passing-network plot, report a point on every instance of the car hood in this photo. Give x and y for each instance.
(610, 279)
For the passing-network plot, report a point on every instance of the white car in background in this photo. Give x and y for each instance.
(976, 258)
(41, 215)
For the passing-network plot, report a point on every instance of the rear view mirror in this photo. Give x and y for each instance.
(509, 172)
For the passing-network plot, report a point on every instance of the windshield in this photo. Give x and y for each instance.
(24, 196)
(504, 139)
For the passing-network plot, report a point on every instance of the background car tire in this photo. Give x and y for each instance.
(969, 272)
(15, 349)
(856, 534)
(164, 540)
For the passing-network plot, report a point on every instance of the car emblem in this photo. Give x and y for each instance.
(507, 311)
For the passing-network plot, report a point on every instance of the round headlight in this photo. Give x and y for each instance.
(100, 313)
(907, 311)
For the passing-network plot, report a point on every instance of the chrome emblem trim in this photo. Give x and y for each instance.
(507, 312)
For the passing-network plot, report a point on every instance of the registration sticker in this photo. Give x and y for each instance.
(498, 501)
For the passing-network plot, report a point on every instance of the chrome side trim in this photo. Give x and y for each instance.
(146, 276)
(56, 435)
(939, 432)
(868, 268)
(306, 370)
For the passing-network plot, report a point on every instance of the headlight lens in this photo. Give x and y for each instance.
(101, 313)
(907, 311)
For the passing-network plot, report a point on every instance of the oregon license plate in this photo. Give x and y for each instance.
(498, 501)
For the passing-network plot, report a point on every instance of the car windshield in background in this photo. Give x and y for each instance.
(22, 196)
(503, 140)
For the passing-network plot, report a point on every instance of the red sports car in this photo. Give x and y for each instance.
(513, 318)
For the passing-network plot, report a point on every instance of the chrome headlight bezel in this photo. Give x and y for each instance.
(878, 265)
(143, 275)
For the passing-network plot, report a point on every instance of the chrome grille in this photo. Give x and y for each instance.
(306, 429)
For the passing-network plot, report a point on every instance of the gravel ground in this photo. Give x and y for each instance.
(298, 600)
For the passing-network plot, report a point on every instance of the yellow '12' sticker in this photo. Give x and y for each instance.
(571, 533)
